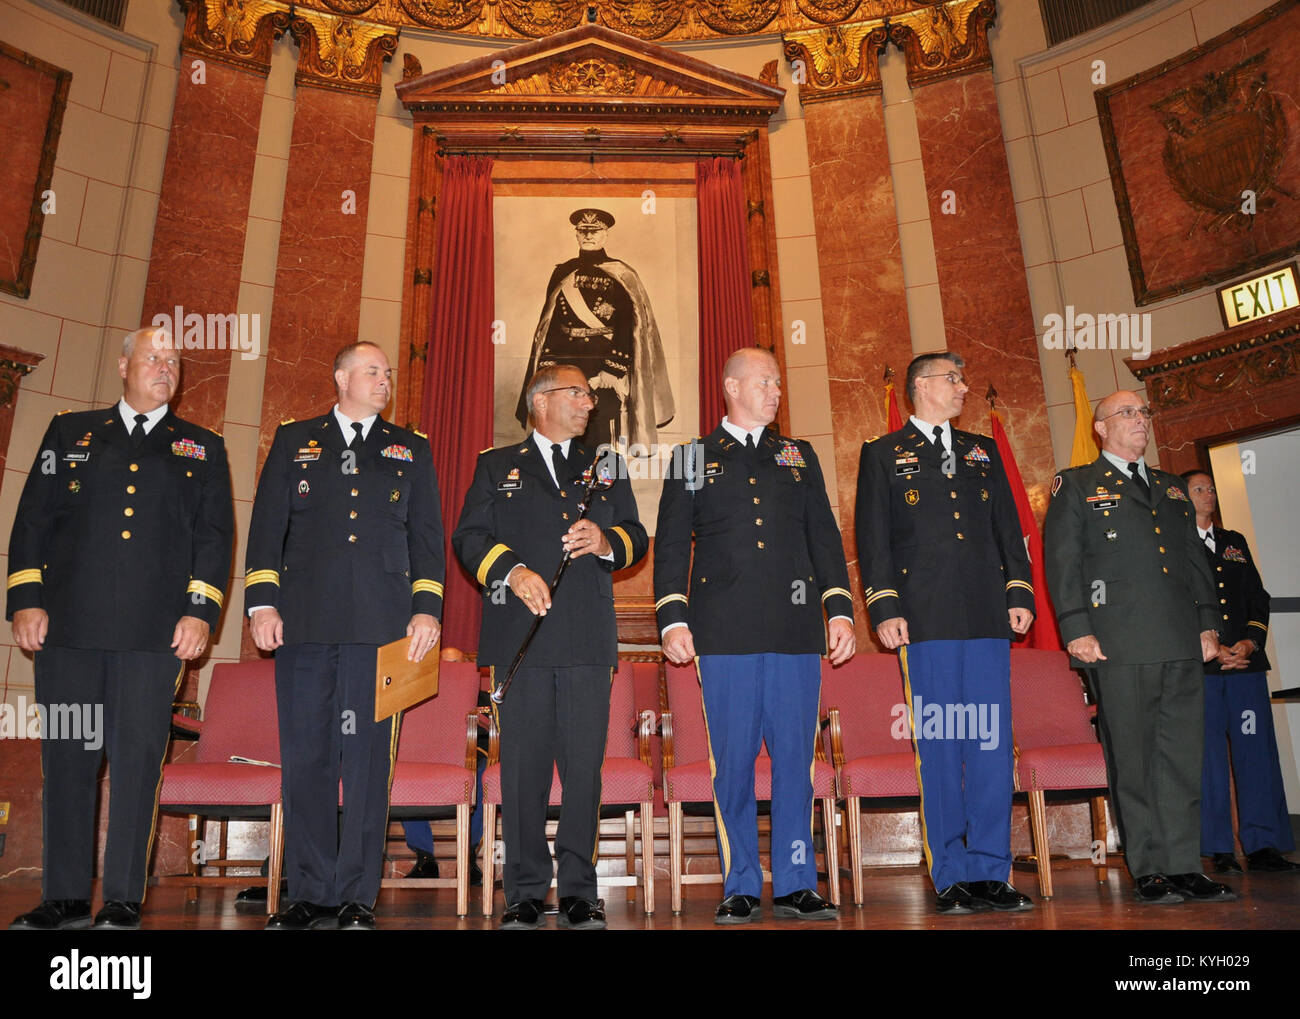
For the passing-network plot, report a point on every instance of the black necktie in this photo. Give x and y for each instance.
(137, 433)
(357, 438)
(938, 439)
(1138, 480)
(560, 464)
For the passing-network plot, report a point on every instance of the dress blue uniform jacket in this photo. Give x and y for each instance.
(1243, 602)
(514, 514)
(943, 549)
(346, 544)
(117, 542)
(769, 561)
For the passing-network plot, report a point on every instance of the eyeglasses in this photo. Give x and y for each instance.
(575, 393)
(1129, 413)
(952, 377)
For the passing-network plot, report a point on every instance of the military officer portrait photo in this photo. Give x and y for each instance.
(608, 285)
(119, 563)
(519, 519)
(947, 584)
(345, 553)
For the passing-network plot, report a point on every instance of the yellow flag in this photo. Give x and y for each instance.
(1084, 450)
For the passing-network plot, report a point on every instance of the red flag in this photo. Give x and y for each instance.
(1043, 632)
(891, 408)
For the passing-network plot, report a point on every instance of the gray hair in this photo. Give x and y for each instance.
(128, 341)
(545, 378)
(919, 362)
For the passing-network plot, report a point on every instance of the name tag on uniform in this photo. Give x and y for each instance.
(712, 470)
(307, 454)
(904, 465)
(513, 482)
(1105, 500)
(76, 457)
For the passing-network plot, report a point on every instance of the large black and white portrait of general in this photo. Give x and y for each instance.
(607, 284)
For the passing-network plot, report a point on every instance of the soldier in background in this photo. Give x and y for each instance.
(598, 318)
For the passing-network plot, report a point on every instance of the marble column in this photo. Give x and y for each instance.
(198, 241)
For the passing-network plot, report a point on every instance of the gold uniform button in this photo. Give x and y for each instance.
(758, 521)
(1162, 550)
(130, 489)
(1220, 583)
(126, 535)
(956, 516)
(1165, 568)
(761, 545)
(565, 515)
(755, 500)
(1218, 569)
(1225, 615)
(1153, 513)
(352, 515)
(352, 539)
(1223, 601)
(135, 467)
(354, 493)
(1105, 513)
(960, 536)
(128, 512)
(753, 481)
(1157, 530)
(189, 474)
(952, 495)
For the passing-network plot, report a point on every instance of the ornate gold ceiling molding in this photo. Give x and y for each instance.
(341, 53)
(938, 40)
(658, 20)
(944, 39)
(839, 61)
(238, 32)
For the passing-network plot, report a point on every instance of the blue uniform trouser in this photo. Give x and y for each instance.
(1237, 712)
(749, 700)
(959, 696)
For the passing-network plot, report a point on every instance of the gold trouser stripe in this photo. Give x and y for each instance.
(262, 577)
(1020, 583)
(432, 586)
(627, 543)
(24, 577)
(884, 592)
(494, 553)
(916, 751)
(723, 841)
(209, 592)
(836, 590)
(670, 598)
(157, 790)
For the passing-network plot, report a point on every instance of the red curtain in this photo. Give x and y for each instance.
(457, 408)
(726, 312)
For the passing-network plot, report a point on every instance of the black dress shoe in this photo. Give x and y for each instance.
(1269, 859)
(524, 915)
(425, 865)
(737, 909)
(1226, 863)
(475, 873)
(304, 916)
(356, 916)
(55, 915)
(118, 916)
(999, 895)
(1201, 888)
(1156, 890)
(582, 914)
(804, 904)
(958, 900)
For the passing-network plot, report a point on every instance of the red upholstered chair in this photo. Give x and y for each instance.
(688, 779)
(239, 720)
(627, 781)
(871, 741)
(1056, 749)
(436, 767)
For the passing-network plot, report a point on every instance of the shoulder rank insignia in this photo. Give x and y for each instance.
(789, 456)
(419, 433)
(976, 454)
(287, 421)
(1175, 492)
(189, 448)
(1233, 554)
(396, 452)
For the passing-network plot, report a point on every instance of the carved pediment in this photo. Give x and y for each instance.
(589, 70)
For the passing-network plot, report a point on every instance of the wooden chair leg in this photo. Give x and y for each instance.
(1100, 836)
(275, 867)
(1038, 829)
(462, 859)
(853, 809)
(489, 855)
(629, 850)
(831, 838)
(648, 856)
(675, 854)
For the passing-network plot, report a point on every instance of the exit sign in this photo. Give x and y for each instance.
(1255, 298)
